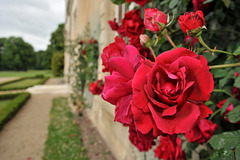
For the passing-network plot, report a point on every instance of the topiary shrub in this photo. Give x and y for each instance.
(57, 64)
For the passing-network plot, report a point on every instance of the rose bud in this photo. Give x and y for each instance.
(192, 23)
(144, 39)
(155, 20)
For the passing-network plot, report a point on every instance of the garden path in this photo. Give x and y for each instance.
(24, 136)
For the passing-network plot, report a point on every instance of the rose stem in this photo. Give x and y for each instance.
(211, 50)
(169, 39)
(221, 91)
(224, 66)
(154, 56)
(214, 113)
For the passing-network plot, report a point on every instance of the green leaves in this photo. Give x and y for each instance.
(118, 2)
(234, 115)
(226, 140)
(226, 3)
(224, 143)
(173, 3)
(237, 52)
(237, 82)
(222, 154)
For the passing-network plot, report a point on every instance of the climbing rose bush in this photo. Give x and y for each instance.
(163, 92)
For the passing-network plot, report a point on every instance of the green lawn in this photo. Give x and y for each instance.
(64, 141)
(29, 73)
(10, 104)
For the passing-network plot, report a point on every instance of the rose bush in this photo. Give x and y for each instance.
(167, 94)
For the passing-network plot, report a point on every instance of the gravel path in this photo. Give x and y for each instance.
(24, 136)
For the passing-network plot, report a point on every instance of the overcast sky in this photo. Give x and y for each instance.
(33, 20)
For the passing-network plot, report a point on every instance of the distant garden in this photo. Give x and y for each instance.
(18, 55)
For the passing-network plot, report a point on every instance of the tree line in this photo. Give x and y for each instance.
(16, 54)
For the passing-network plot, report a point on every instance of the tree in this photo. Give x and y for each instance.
(56, 45)
(16, 54)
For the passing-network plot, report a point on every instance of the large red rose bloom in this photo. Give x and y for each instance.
(169, 95)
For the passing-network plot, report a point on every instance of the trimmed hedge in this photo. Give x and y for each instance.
(41, 81)
(18, 100)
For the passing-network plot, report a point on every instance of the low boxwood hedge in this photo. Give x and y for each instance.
(7, 85)
(17, 101)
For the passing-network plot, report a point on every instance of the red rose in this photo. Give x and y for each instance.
(81, 42)
(132, 23)
(84, 52)
(96, 87)
(169, 95)
(198, 5)
(121, 31)
(190, 21)
(113, 24)
(189, 41)
(117, 89)
(141, 143)
(202, 132)
(113, 50)
(152, 16)
(170, 148)
(229, 108)
(139, 2)
(90, 41)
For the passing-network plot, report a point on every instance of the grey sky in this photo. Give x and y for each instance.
(32, 20)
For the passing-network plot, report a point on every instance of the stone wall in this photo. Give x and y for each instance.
(96, 13)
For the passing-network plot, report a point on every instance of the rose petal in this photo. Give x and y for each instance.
(181, 122)
(122, 65)
(123, 112)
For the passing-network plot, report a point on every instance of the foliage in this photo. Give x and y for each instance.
(16, 54)
(64, 141)
(22, 83)
(57, 64)
(10, 104)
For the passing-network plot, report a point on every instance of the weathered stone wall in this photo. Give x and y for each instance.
(96, 13)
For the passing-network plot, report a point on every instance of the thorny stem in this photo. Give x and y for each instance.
(211, 50)
(170, 40)
(224, 66)
(152, 52)
(214, 113)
